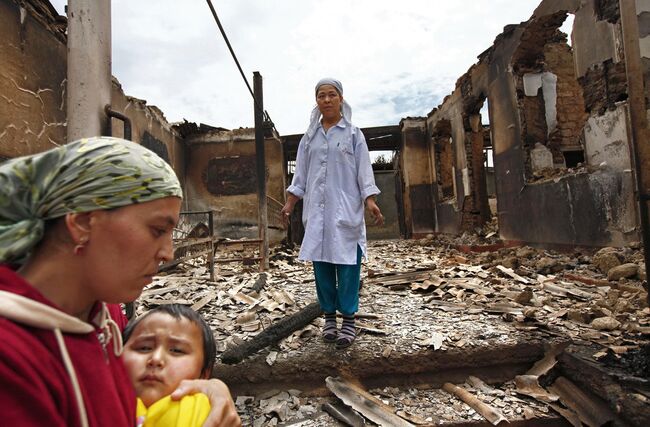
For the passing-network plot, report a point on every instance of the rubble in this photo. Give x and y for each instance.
(421, 298)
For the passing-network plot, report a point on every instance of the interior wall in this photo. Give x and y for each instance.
(221, 177)
(33, 73)
(387, 201)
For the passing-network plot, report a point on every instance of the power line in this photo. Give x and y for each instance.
(267, 118)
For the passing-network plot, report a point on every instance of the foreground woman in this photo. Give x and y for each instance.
(82, 228)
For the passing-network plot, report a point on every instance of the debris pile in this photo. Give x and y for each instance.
(420, 301)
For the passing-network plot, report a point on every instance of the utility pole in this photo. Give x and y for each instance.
(89, 68)
(638, 118)
(262, 217)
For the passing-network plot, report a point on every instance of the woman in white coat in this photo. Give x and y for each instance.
(335, 180)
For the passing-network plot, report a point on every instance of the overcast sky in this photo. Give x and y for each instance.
(395, 58)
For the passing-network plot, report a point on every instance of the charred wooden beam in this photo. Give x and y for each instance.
(273, 334)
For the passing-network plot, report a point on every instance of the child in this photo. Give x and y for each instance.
(161, 348)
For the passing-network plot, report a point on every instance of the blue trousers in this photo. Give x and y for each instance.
(345, 296)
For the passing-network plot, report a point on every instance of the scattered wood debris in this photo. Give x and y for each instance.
(426, 296)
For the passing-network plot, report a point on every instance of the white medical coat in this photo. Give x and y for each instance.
(334, 177)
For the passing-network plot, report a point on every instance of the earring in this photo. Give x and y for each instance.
(80, 246)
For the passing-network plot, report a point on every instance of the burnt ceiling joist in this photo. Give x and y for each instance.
(379, 138)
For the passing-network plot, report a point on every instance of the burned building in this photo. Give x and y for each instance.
(214, 166)
(536, 134)
(558, 130)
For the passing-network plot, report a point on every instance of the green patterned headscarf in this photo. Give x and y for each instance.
(82, 176)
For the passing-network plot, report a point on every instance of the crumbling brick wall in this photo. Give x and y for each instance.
(604, 85)
(608, 10)
(446, 177)
(475, 209)
(533, 122)
(571, 114)
(530, 57)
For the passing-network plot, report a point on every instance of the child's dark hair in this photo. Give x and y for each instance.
(178, 311)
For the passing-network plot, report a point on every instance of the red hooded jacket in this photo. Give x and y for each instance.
(37, 386)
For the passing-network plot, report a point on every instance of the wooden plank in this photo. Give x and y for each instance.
(227, 260)
(489, 413)
(190, 242)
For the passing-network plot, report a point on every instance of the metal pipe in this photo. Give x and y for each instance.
(89, 67)
(117, 115)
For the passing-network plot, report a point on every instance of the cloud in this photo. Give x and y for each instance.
(395, 59)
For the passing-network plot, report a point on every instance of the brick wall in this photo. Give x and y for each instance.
(571, 114)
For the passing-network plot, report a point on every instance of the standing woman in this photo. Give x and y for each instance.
(334, 178)
(82, 227)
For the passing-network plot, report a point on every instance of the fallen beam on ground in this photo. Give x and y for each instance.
(272, 334)
(365, 403)
(591, 410)
(489, 413)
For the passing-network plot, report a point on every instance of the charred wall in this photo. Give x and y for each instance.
(221, 176)
(605, 85)
(456, 143)
(416, 174)
(558, 124)
(32, 78)
(33, 73)
(589, 205)
(386, 180)
(149, 127)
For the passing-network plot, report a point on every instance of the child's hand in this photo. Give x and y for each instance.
(222, 408)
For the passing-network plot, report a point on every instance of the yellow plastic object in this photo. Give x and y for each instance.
(190, 411)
